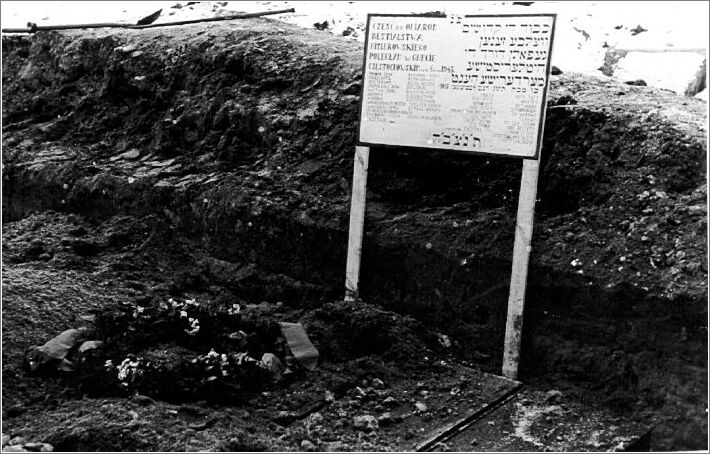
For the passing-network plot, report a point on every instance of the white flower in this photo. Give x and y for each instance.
(194, 326)
(183, 313)
(126, 369)
(240, 357)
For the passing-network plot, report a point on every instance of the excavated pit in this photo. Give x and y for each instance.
(226, 152)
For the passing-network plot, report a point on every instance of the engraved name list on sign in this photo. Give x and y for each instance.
(468, 83)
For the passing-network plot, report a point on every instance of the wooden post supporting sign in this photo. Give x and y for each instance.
(519, 275)
(357, 222)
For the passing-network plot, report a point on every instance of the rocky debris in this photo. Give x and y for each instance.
(554, 397)
(128, 155)
(565, 100)
(38, 447)
(315, 419)
(636, 83)
(202, 425)
(390, 402)
(360, 393)
(334, 446)
(308, 446)
(421, 406)
(143, 400)
(13, 411)
(273, 364)
(284, 417)
(20, 444)
(192, 410)
(385, 419)
(365, 423)
(444, 340)
(53, 354)
(314, 425)
(349, 31)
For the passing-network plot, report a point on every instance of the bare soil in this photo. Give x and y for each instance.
(213, 162)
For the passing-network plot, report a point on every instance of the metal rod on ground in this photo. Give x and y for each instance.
(357, 222)
(217, 19)
(36, 28)
(519, 276)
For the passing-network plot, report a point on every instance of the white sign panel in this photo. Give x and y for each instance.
(475, 84)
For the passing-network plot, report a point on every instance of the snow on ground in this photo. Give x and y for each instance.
(666, 41)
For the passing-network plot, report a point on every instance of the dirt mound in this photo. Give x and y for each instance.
(223, 153)
(216, 125)
(347, 330)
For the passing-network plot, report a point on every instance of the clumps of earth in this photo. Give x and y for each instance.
(21, 444)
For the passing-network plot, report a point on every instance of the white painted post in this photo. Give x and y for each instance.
(357, 222)
(519, 276)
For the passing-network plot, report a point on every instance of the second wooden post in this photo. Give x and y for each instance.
(357, 222)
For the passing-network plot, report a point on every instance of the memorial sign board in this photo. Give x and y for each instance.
(475, 84)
